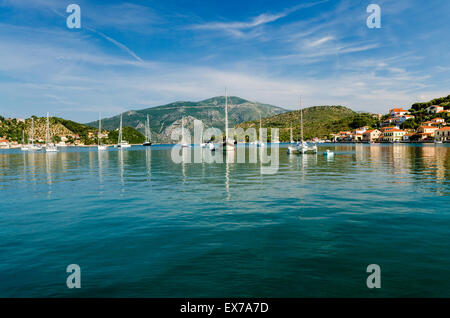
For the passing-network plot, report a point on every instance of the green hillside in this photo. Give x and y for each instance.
(318, 121)
(421, 115)
(129, 134)
(12, 130)
(211, 111)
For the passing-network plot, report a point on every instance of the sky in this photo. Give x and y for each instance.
(139, 54)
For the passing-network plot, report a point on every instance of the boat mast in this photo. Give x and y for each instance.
(301, 118)
(182, 130)
(120, 130)
(147, 130)
(260, 129)
(47, 132)
(32, 131)
(292, 140)
(226, 116)
(99, 128)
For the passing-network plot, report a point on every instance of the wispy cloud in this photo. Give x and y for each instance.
(235, 27)
(116, 43)
(320, 41)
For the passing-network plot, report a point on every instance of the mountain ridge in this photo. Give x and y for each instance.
(164, 118)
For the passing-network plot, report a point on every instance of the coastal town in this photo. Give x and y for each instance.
(393, 130)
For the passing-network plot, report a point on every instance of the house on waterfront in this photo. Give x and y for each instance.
(393, 135)
(343, 136)
(427, 129)
(424, 133)
(4, 143)
(357, 137)
(434, 109)
(442, 134)
(371, 135)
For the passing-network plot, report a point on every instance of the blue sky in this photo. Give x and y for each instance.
(138, 54)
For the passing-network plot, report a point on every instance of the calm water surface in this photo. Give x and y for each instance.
(139, 224)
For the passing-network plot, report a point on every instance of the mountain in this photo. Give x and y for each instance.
(165, 118)
(318, 121)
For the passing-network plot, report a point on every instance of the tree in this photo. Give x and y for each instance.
(409, 124)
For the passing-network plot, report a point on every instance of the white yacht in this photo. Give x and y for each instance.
(228, 144)
(148, 134)
(302, 147)
(122, 143)
(260, 141)
(24, 147)
(32, 146)
(183, 142)
(49, 146)
(100, 146)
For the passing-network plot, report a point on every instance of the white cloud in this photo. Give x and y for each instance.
(320, 41)
(236, 28)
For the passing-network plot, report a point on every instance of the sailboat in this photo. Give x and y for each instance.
(148, 136)
(183, 142)
(122, 143)
(228, 145)
(292, 148)
(260, 142)
(24, 147)
(207, 145)
(33, 147)
(49, 146)
(302, 146)
(100, 146)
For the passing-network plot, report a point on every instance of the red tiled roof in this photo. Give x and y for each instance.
(427, 127)
(444, 129)
(398, 110)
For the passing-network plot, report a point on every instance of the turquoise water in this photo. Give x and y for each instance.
(139, 224)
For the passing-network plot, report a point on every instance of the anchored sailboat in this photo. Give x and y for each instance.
(302, 146)
(24, 147)
(122, 143)
(100, 146)
(33, 147)
(228, 145)
(183, 142)
(260, 142)
(49, 146)
(148, 136)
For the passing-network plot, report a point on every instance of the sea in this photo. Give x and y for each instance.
(146, 222)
